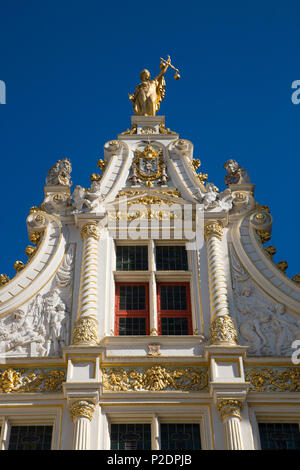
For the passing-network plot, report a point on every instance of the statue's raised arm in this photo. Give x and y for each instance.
(149, 93)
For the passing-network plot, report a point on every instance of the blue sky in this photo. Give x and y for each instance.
(69, 66)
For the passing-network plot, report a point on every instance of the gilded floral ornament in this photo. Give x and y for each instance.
(82, 409)
(222, 330)
(230, 408)
(31, 380)
(155, 379)
(267, 379)
(85, 331)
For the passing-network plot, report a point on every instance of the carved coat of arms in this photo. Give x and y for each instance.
(148, 166)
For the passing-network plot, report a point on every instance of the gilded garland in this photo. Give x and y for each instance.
(155, 379)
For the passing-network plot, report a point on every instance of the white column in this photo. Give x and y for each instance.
(230, 410)
(222, 328)
(82, 414)
(86, 324)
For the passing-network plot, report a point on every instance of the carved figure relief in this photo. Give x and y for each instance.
(263, 325)
(41, 328)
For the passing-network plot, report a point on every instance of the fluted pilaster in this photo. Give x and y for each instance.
(230, 411)
(222, 328)
(82, 413)
(86, 324)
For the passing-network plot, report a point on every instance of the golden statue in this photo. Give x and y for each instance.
(148, 94)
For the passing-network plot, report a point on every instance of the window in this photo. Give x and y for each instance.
(132, 311)
(171, 258)
(279, 436)
(30, 438)
(180, 436)
(130, 436)
(132, 258)
(174, 309)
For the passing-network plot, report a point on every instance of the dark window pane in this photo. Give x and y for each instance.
(132, 298)
(173, 297)
(132, 326)
(130, 436)
(180, 436)
(279, 436)
(174, 326)
(171, 258)
(132, 258)
(30, 438)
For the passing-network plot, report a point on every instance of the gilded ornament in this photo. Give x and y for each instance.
(230, 408)
(267, 379)
(196, 163)
(213, 229)
(264, 236)
(270, 250)
(90, 230)
(148, 164)
(4, 279)
(31, 380)
(95, 177)
(35, 237)
(222, 330)
(282, 265)
(101, 163)
(155, 379)
(149, 93)
(163, 130)
(295, 278)
(85, 331)
(82, 409)
(202, 177)
(19, 265)
(131, 131)
(30, 251)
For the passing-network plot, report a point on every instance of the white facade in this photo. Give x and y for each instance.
(63, 363)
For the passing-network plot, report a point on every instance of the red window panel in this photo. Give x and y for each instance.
(174, 308)
(132, 308)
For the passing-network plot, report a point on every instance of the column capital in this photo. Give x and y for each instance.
(230, 408)
(82, 409)
(91, 229)
(213, 228)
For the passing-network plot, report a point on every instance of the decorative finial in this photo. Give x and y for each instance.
(149, 93)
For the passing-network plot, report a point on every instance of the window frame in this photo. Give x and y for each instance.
(131, 313)
(174, 313)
